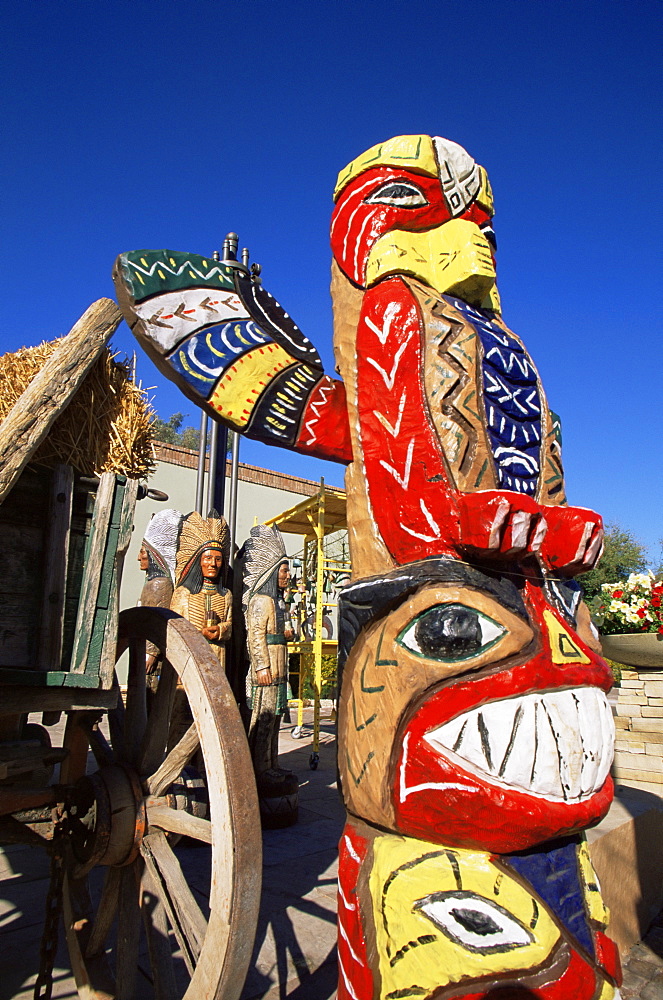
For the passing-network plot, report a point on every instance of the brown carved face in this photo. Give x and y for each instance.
(283, 578)
(473, 712)
(211, 563)
(143, 559)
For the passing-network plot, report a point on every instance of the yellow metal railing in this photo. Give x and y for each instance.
(314, 518)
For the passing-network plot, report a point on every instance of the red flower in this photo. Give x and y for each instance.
(617, 594)
(660, 629)
(656, 602)
(641, 612)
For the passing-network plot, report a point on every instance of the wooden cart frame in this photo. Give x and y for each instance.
(122, 814)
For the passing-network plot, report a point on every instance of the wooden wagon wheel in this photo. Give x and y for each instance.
(123, 817)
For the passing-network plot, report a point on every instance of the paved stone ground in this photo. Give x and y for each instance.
(295, 951)
(643, 969)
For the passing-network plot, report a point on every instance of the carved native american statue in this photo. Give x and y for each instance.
(202, 556)
(157, 557)
(475, 737)
(268, 629)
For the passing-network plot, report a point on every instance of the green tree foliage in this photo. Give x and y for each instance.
(171, 432)
(304, 662)
(623, 554)
(190, 438)
(658, 571)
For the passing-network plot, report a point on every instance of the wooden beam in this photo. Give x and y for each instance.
(94, 566)
(52, 389)
(55, 574)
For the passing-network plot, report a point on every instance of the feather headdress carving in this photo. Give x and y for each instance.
(160, 539)
(264, 551)
(198, 534)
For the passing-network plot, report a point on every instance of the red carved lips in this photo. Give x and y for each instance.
(508, 760)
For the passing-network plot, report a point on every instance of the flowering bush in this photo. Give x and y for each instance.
(634, 606)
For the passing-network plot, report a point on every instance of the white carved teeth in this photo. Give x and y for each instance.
(557, 745)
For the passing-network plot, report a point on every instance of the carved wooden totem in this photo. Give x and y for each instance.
(475, 737)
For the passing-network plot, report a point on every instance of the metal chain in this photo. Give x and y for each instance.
(49, 941)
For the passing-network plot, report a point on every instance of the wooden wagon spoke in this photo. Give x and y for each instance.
(135, 716)
(116, 727)
(77, 913)
(76, 742)
(161, 815)
(128, 932)
(101, 748)
(158, 942)
(184, 915)
(156, 735)
(176, 760)
(107, 909)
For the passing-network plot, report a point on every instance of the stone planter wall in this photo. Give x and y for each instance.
(639, 723)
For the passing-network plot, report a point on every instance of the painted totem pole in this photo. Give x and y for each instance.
(475, 737)
(268, 629)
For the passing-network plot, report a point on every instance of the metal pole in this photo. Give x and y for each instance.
(317, 638)
(232, 511)
(213, 451)
(218, 470)
(216, 481)
(202, 452)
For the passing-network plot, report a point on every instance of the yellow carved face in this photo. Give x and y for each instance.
(445, 916)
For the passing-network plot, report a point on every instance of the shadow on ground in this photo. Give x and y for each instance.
(24, 880)
(295, 947)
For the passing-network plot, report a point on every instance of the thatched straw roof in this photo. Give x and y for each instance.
(105, 428)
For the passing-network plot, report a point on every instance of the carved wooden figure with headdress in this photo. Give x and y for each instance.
(202, 556)
(157, 558)
(268, 628)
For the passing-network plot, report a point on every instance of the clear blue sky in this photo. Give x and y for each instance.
(167, 124)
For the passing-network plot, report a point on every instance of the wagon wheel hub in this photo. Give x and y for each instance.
(106, 818)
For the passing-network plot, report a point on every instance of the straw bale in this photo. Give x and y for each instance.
(105, 428)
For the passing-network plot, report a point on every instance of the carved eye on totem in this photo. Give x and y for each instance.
(451, 632)
(400, 194)
(476, 923)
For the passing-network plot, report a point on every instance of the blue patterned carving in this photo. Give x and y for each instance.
(512, 402)
(203, 358)
(554, 875)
